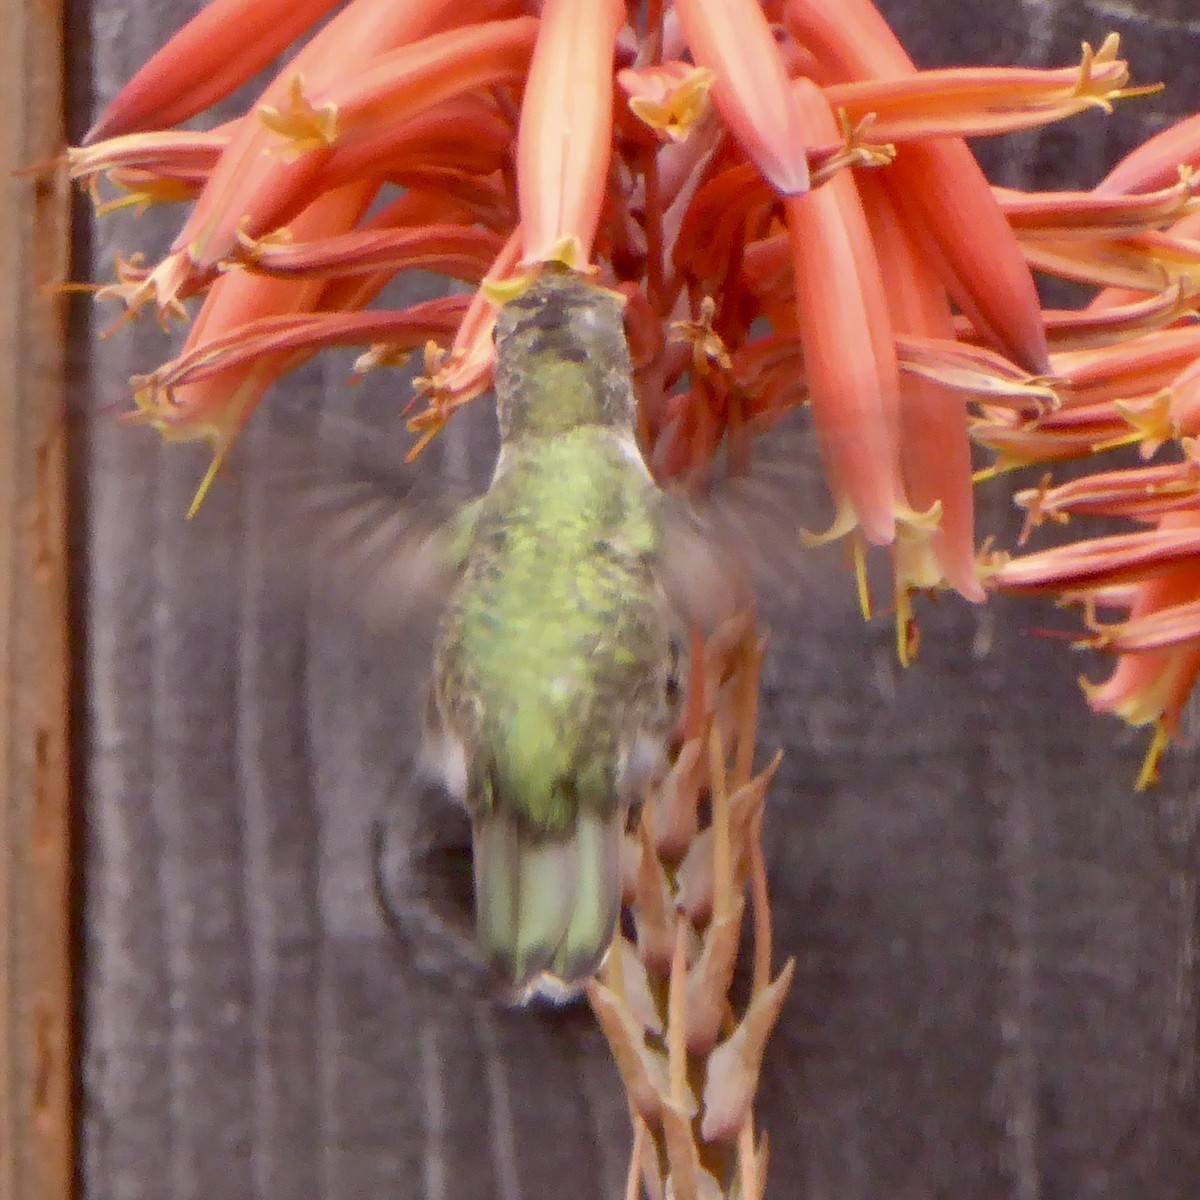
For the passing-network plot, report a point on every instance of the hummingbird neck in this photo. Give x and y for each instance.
(549, 395)
(594, 439)
(562, 360)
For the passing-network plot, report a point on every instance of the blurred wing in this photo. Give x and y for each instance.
(367, 537)
(389, 557)
(706, 579)
(734, 534)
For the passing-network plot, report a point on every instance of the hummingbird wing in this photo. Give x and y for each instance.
(390, 555)
(732, 533)
(379, 539)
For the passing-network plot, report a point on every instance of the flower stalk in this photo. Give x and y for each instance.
(688, 1053)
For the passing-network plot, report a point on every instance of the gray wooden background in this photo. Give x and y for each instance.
(998, 990)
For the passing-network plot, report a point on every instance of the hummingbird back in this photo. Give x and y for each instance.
(555, 670)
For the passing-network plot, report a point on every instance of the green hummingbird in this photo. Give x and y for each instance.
(560, 651)
(557, 660)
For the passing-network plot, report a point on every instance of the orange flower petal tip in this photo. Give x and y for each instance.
(564, 140)
(752, 90)
(304, 126)
(221, 47)
(1156, 163)
(671, 99)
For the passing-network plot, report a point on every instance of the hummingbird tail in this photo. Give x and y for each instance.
(547, 904)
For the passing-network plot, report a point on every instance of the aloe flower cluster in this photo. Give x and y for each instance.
(795, 218)
(1126, 374)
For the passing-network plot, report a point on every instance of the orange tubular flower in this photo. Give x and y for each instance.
(1018, 443)
(976, 101)
(935, 447)
(1134, 367)
(1172, 263)
(1156, 163)
(946, 204)
(1099, 563)
(299, 334)
(732, 39)
(853, 388)
(466, 133)
(216, 410)
(1158, 642)
(565, 136)
(1087, 214)
(1143, 494)
(221, 47)
(1116, 314)
(937, 187)
(1152, 686)
(184, 153)
(410, 80)
(415, 76)
(251, 165)
(456, 251)
(982, 374)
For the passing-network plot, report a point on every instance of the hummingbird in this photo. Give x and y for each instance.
(558, 660)
(560, 651)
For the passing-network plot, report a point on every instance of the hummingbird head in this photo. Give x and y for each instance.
(562, 360)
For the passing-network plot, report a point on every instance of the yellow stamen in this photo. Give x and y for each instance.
(305, 127)
(906, 639)
(1149, 774)
(858, 552)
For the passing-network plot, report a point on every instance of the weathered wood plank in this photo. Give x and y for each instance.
(996, 994)
(35, 987)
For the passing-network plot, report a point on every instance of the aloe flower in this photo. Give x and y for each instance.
(789, 206)
(1126, 370)
(1142, 592)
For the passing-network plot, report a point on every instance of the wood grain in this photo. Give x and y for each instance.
(35, 986)
(996, 993)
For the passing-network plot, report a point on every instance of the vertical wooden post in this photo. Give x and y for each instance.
(35, 987)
